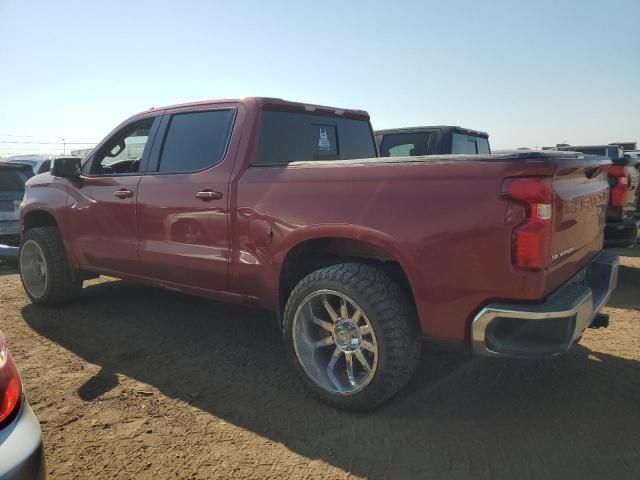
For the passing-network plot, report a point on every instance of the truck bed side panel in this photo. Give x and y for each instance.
(443, 221)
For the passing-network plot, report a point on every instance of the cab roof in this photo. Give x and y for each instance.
(269, 103)
(443, 128)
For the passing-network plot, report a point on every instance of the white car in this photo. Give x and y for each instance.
(21, 449)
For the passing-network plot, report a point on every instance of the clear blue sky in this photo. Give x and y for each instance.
(528, 72)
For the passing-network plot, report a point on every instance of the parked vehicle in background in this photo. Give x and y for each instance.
(21, 451)
(435, 140)
(635, 155)
(12, 179)
(286, 206)
(626, 146)
(624, 179)
(39, 165)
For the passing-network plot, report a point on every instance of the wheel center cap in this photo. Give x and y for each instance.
(346, 335)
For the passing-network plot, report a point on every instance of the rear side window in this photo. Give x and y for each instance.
(408, 144)
(195, 141)
(290, 137)
(11, 179)
(468, 145)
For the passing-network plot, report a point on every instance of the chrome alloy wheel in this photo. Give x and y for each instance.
(335, 342)
(33, 268)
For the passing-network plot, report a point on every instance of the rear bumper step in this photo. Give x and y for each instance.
(549, 328)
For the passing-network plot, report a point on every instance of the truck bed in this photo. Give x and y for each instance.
(444, 217)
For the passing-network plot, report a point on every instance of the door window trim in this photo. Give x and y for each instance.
(88, 164)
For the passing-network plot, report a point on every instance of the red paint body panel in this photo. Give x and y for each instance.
(102, 228)
(443, 219)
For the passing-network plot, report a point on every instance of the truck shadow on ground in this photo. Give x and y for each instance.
(7, 269)
(627, 295)
(461, 417)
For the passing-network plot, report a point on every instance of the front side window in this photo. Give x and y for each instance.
(408, 144)
(195, 141)
(123, 152)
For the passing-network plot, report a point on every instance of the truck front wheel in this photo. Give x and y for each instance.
(47, 276)
(353, 334)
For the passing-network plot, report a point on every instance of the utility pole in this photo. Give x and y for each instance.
(64, 147)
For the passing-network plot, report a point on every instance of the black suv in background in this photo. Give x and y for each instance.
(624, 178)
(13, 176)
(435, 140)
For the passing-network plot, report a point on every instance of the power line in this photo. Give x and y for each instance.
(32, 136)
(49, 143)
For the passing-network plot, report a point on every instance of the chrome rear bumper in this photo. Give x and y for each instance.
(551, 327)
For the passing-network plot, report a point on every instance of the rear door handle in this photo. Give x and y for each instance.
(207, 195)
(123, 193)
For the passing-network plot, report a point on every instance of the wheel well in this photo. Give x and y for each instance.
(314, 254)
(38, 218)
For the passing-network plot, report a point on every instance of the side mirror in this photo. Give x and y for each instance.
(66, 167)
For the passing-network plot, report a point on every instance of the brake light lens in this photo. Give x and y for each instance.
(10, 385)
(618, 175)
(531, 238)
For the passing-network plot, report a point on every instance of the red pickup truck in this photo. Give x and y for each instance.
(286, 206)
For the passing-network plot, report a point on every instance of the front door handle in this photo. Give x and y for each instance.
(207, 195)
(123, 193)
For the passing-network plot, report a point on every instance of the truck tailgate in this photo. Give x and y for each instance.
(581, 194)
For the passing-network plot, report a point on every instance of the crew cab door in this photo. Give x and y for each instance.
(183, 200)
(102, 202)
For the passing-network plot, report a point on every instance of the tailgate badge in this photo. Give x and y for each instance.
(563, 253)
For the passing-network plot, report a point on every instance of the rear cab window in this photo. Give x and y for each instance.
(463, 144)
(287, 137)
(408, 144)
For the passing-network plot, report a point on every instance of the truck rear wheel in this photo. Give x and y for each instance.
(47, 276)
(353, 334)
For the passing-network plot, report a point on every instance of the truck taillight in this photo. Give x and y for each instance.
(10, 385)
(619, 181)
(532, 238)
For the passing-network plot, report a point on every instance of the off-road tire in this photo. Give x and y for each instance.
(392, 316)
(63, 281)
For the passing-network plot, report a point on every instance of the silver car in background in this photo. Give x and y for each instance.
(21, 449)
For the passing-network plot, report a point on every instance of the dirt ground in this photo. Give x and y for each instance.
(133, 382)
